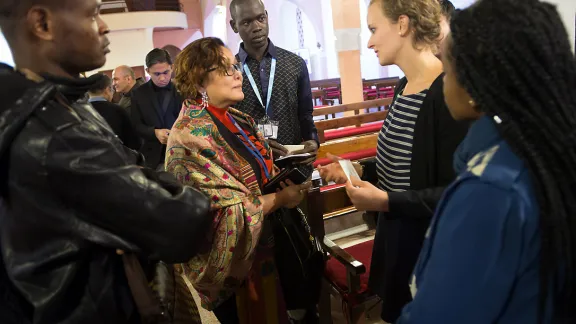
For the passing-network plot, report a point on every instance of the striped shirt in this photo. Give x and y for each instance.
(394, 152)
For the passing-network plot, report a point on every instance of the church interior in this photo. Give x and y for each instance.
(351, 99)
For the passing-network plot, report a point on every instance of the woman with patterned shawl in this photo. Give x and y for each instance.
(220, 151)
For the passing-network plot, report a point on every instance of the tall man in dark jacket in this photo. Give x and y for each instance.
(155, 107)
(276, 82)
(70, 193)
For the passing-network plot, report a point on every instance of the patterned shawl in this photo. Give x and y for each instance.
(199, 156)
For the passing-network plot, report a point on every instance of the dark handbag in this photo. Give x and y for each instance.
(165, 300)
(299, 259)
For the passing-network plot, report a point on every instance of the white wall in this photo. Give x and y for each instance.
(461, 4)
(567, 10)
(5, 54)
(131, 35)
(287, 26)
(216, 23)
(371, 68)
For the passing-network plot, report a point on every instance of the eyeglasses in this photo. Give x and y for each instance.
(230, 70)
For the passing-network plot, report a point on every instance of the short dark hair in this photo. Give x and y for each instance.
(157, 56)
(235, 3)
(11, 11)
(448, 9)
(194, 63)
(104, 82)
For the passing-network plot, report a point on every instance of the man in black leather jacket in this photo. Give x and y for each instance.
(71, 192)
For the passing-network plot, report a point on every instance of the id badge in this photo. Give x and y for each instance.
(268, 131)
(261, 128)
(274, 124)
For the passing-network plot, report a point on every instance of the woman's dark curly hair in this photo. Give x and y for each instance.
(194, 62)
(515, 60)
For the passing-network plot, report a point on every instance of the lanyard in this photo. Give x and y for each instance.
(252, 150)
(270, 84)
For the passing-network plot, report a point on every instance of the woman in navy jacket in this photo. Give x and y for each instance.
(502, 245)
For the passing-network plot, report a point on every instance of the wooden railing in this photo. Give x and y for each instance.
(112, 6)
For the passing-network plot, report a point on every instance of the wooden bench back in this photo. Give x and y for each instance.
(382, 82)
(356, 120)
(326, 83)
(348, 144)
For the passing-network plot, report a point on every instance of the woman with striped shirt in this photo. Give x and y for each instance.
(415, 146)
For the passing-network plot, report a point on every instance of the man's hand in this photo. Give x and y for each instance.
(162, 135)
(311, 147)
(278, 149)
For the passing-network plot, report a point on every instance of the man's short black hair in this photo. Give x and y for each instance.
(235, 3)
(157, 56)
(104, 82)
(447, 9)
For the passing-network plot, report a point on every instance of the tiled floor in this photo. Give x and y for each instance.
(344, 240)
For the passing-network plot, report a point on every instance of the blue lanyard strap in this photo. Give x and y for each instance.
(255, 152)
(270, 85)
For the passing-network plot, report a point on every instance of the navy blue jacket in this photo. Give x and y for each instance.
(480, 259)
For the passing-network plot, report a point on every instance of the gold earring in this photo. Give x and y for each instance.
(472, 103)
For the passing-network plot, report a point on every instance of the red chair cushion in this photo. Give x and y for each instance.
(336, 271)
(332, 186)
(362, 154)
(352, 131)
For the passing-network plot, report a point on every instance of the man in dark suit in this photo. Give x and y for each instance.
(155, 107)
(117, 117)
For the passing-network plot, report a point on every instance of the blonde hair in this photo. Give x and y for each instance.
(425, 17)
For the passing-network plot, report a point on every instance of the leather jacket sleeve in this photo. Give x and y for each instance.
(165, 220)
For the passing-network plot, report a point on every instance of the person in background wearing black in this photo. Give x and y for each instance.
(276, 82)
(70, 193)
(125, 82)
(116, 116)
(155, 107)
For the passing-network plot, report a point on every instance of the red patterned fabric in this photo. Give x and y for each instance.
(336, 271)
(222, 115)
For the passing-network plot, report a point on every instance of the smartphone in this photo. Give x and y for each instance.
(293, 174)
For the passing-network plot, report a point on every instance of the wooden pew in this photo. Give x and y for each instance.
(357, 144)
(323, 125)
(325, 83)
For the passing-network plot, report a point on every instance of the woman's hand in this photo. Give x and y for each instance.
(366, 197)
(292, 194)
(333, 171)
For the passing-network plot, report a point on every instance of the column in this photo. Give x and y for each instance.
(346, 16)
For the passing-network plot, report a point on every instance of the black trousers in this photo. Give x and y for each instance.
(227, 313)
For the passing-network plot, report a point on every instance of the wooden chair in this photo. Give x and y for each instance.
(347, 270)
